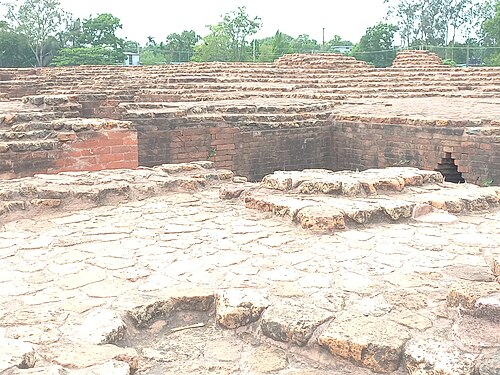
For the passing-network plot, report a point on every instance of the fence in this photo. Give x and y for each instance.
(460, 55)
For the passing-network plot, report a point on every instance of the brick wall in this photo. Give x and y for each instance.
(15, 164)
(93, 151)
(260, 152)
(81, 151)
(360, 145)
(251, 153)
(339, 145)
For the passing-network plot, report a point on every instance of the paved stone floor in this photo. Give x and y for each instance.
(54, 270)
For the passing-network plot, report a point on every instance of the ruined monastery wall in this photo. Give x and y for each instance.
(303, 111)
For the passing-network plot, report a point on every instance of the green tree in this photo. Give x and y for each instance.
(304, 44)
(406, 13)
(153, 53)
(87, 56)
(150, 57)
(100, 31)
(491, 27)
(15, 51)
(39, 21)
(216, 46)
(180, 47)
(491, 35)
(377, 45)
(227, 40)
(274, 47)
(131, 46)
(435, 22)
(95, 43)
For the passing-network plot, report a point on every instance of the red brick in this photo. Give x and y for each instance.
(110, 157)
(131, 156)
(218, 158)
(129, 141)
(111, 142)
(486, 146)
(122, 149)
(229, 146)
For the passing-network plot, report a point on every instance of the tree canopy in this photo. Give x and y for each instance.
(39, 21)
(377, 45)
(228, 39)
(41, 32)
(93, 42)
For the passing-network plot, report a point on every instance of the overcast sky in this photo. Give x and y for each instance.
(143, 18)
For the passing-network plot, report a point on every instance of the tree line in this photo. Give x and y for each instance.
(42, 33)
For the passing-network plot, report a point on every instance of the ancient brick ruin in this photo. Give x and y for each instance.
(303, 111)
(313, 216)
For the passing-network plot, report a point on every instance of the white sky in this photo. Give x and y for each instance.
(143, 18)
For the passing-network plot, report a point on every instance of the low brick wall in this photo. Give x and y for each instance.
(251, 153)
(71, 151)
(362, 145)
(93, 151)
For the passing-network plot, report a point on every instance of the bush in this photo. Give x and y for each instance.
(449, 62)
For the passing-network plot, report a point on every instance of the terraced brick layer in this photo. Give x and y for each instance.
(302, 111)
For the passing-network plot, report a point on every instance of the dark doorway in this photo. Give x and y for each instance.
(449, 170)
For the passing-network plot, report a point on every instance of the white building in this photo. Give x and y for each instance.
(132, 59)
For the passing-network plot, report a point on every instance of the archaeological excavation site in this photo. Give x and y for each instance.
(311, 216)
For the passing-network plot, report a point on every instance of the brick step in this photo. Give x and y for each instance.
(250, 86)
(258, 82)
(65, 125)
(322, 213)
(9, 136)
(7, 120)
(28, 145)
(270, 118)
(213, 120)
(237, 107)
(235, 76)
(478, 300)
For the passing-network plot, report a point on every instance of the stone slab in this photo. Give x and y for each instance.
(293, 322)
(237, 308)
(374, 343)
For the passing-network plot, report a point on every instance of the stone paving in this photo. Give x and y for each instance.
(161, 277)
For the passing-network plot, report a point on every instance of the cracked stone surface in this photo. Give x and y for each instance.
(316, 198)
(100, 326)
(429, 356)
(174, 253)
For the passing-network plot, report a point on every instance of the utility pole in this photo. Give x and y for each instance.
(323, 36)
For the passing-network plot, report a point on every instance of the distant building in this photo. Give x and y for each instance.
(342, 49)
(132, 59)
